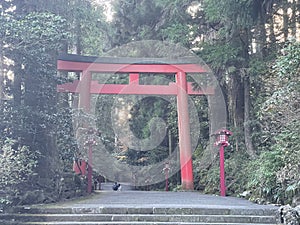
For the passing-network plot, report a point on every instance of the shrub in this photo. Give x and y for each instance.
(17, 165)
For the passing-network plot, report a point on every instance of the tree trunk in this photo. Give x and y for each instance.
(17, 91)
(236, 108)
(272, 30)
(297, 3)
(260, 35)
(285, 28)
(294, 18)
(2, 88)
(78, 38)
(247, 127)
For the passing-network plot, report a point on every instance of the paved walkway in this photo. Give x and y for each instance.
(143, 199)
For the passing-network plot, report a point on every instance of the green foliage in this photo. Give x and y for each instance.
(281, 106)
(219, 55)
(140, 124)
(29, 116)
(208, 179)
(153, 20)
(177, 33)
(287, 66)
(231, 13)
(235, 165)
(288, 142)
(261, 176)
(65, 137)
(36, 39)
(17, 166)
(277, 170)
(135, 20)
(36, 33)
(18, 163)
(87, 27)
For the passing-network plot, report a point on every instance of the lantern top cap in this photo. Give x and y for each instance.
(223, 131)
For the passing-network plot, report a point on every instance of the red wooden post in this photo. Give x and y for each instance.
(90, 169)
(85, 91)
(222, 172)
(166, 170)
(89, 143)
(167, 182)
(84, 104)
(134, 78)
(185, 149)
(222, 141)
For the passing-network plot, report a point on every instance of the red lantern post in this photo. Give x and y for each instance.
(166, 170)
(89, 143)
(222, 141)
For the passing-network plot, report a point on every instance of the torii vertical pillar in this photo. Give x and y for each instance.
(185, 149)
(85, 91)
(85, 105)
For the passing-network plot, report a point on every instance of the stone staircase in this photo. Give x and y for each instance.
(138, 215)
(144, 208)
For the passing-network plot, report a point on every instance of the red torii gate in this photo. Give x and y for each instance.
(86, 65)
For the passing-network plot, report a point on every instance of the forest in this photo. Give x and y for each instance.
(251, 46)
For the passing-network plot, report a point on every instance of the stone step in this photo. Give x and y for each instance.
(145, 210)
(249, 219)
(123, 223)
(138, 208)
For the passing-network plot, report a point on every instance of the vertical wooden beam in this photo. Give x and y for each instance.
(85, 91)
(134, 78)
(185, 149)
(222, 172)
(85, 105)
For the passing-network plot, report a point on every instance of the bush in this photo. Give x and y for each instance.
(288, 143)
(17, 165)
(261, 176)
(274, 176)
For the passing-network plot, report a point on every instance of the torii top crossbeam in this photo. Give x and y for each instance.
(132, 66)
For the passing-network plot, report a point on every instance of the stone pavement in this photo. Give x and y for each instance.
(147, 199)
(146, 208)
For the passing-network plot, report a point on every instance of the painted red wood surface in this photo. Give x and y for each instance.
(132, 89)
(185, 149)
